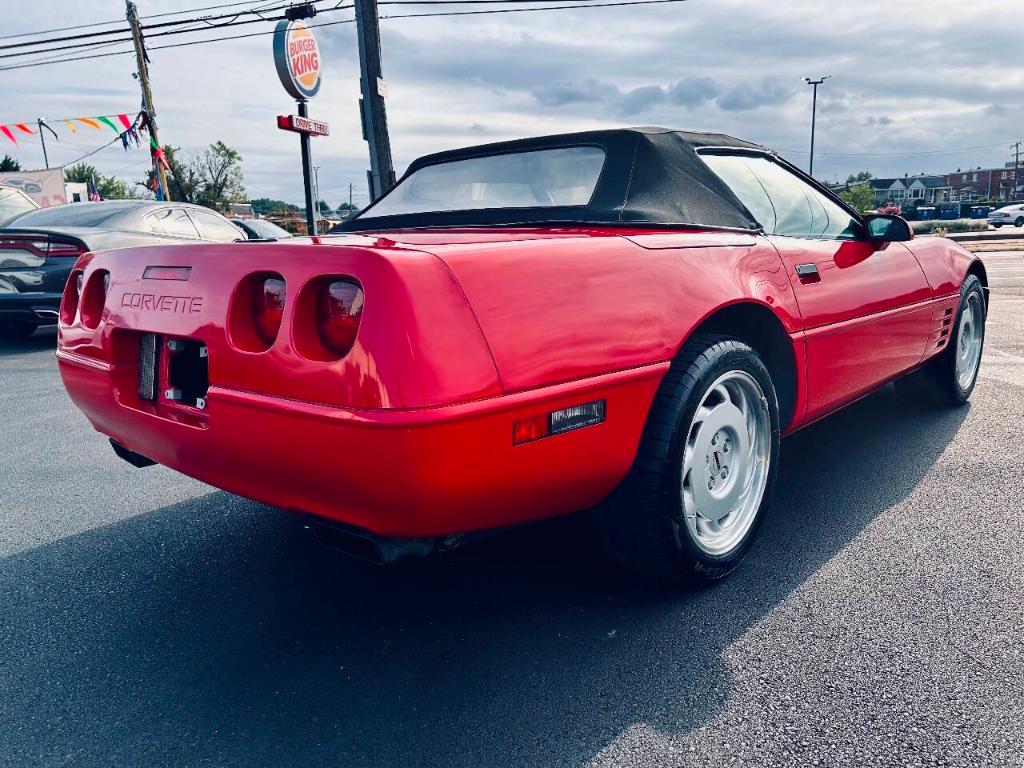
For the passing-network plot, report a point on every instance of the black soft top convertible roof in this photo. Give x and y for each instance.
(651, 176)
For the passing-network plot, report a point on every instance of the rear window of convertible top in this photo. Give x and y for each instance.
(544, 178)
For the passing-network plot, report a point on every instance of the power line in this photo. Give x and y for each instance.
(894, 154)
(567, 6)
(121, 21)
(89, 36)
(234, 20)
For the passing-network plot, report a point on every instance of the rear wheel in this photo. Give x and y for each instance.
(692, 504)
(16, 330)
(1019, 222)
(949, 379)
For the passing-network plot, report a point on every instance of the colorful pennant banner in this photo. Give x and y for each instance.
(97, 122)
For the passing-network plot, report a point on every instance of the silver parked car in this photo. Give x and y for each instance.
(1010, 215)
(14, 202)
(39, 248)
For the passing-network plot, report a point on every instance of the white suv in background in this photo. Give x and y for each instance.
(1010, 215)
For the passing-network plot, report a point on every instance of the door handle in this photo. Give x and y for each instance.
(808, 273)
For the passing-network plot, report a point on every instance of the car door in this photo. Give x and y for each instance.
(865, 306)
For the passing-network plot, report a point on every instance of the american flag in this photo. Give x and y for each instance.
(94, 194)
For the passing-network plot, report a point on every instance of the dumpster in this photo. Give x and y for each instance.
(980, 211)
(927, 213)
(949, 211)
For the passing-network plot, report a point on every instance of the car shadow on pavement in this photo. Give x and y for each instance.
(43, 338)
(217, 631)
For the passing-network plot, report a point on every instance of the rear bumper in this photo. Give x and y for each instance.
(398, 473)
(31, 307)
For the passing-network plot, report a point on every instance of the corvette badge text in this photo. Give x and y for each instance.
(155, 302)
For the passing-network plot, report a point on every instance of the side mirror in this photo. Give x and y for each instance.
(883, 228)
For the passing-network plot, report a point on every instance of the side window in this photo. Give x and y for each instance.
(793, 213)
(735, 171)
(800, 209)
(838, 224)
(784, 204)
(214, 227)
(173, 222)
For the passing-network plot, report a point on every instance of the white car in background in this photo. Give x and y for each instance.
(14, 202)
(1010, 215)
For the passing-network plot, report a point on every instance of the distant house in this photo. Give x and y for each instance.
(925, 189)
(986, 183)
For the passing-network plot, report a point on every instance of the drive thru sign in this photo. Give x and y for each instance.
(301, 124)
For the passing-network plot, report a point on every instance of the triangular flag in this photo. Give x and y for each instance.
(152, 144)
(90, 121)
(8, 134)
(71, 125)
(125, 121)
(108, 121)
(24, 128)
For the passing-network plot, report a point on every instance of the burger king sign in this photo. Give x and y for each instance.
(298, 59)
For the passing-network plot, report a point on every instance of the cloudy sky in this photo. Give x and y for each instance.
(917, 85)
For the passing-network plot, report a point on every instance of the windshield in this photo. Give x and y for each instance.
(13, 202)
(544, 178)
(73, 215)
(266, 230)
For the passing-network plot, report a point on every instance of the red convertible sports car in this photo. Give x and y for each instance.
(622, 321)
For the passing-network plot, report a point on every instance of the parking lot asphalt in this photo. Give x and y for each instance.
(147, 619)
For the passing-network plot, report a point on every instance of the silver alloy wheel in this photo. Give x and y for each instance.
(726, 462)
(969, 341)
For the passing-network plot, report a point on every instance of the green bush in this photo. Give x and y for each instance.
(957, 225)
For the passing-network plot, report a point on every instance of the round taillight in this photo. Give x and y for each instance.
(339, 308)
(69, 301)
(93, 297)
(268, 308)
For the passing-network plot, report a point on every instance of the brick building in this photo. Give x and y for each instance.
(985, 183)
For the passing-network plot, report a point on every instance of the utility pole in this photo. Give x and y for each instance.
(381, 176)
(1016, 172)
(350, 198)
(147, 95)
(814, 116)
(41, 124)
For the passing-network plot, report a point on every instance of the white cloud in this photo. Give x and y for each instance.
(949, 80)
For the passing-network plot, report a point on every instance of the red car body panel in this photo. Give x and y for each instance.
(464, 332)
(640, 303)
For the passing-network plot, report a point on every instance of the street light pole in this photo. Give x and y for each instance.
(814, 115)
(316, 205)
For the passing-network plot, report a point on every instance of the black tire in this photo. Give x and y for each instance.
(996, 226)
(17, 330)
(641, 525)
(1019, 222)
(937, 381)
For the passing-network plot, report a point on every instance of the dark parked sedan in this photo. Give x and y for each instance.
(261, 229)
(38, 248)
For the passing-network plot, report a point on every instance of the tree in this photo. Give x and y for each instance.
(213, 178)
(219, 171)
(860, 197)
(857, 178)
(108, 187)
(324, 208)
(264, 205)
(8, 163)
(347, 206)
